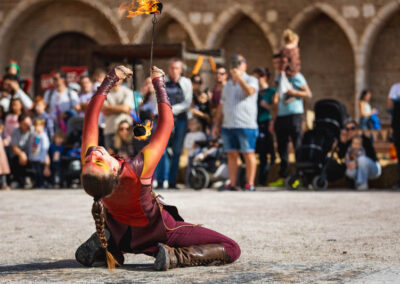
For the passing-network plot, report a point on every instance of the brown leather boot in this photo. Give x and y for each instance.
(209, 254)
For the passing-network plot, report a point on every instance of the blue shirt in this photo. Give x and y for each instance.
(38, 147)
(295, 107)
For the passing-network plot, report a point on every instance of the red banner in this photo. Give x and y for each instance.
(73, 74)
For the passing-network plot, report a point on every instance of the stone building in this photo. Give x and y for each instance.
(346, 45)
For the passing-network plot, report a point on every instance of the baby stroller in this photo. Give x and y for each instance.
(318, 146)
(208, 165)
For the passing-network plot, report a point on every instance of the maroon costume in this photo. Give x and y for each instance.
(137, 220)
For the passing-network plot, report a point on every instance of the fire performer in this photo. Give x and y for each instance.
(129, 217)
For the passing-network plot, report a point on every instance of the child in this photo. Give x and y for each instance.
(39, 110)
(355, 151)
(290, 57)
(4, 166)
(38, 148)
(98, 77)
(56, 151)
(201, 109)
(11, 120)
(195, 134)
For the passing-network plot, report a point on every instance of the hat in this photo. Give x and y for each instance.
(12, 64)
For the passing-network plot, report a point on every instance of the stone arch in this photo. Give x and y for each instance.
(310, 12)
(377, 44)
(37, 11)
(230, 17)
(169, 12)
(327, 59)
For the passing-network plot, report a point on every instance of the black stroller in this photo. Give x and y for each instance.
(318, 146)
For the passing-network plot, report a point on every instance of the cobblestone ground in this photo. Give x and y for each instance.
(332, 236)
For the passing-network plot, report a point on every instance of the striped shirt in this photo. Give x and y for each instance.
(240, 111)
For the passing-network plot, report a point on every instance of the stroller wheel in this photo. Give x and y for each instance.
(292, 182)
(319, 183)
(199, 178)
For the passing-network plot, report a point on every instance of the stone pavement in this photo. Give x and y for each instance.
(324, 237)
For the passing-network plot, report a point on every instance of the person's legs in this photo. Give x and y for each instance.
(295, 130)
(162, 170)
(396, 140)
(177, 145)
(282, 137)
(366, 169)
(193, 245)
(233, 166)
(231, 147)
(261, 149)
(18, 172)
(247, 144)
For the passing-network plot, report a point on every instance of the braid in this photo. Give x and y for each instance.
(99, 219)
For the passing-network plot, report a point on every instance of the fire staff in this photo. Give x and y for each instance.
(128, 215)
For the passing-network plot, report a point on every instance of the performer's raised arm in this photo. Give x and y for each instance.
(90, 135)
(154, 150)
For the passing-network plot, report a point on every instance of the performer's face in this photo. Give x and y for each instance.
(100, 162)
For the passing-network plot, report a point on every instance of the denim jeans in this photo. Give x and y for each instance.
(168, 170)
(366, 169)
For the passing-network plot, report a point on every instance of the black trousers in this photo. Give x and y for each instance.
(396, 141)
(264, 146)
(287, 127)
(19, 172)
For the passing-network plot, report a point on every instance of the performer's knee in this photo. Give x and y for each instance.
(233, 250)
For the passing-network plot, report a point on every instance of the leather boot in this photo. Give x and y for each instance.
(209, 254)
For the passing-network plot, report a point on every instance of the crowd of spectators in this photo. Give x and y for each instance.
(248, 111)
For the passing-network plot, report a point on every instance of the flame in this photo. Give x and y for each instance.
(140, 7)
(148, 126)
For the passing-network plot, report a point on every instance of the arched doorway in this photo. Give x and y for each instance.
(327, 61)
(383, 64)
(246, 38)
(66, 49)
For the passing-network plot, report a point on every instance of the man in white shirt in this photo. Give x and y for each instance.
(116, 108)
(61, 101)
(394, 105)
(11, 86)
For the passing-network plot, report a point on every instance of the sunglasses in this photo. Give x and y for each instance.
(350, 128)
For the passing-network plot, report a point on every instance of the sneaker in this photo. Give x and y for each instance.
(228, 187)
(165, 184)
(362, 187)
(249, 187)
(280, 182)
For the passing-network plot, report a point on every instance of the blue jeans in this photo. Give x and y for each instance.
(366, 169)
(168, 170)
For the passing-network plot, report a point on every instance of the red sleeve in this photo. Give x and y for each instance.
(154, 150)
(90, 134)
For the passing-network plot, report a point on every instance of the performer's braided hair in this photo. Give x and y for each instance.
(100, 187)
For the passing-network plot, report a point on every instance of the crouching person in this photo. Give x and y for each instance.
(128, 215)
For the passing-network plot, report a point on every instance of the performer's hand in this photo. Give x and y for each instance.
(156, 72)
(123, 72)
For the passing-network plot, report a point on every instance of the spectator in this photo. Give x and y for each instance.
(38, 147)
(265, 140)
(123, 141)
(195, 134)
(394, 106)
(365, 110)
(201, 109)
(148, 104)
(39, 111)
(12, 87)
(11, 121)
(13, 69)
(221, 79)
(180, 93)
(364, 167)
(4, 166)
(98, 76)
(238, 114)
(62, 102)
(116, 108)
(196, 84)
(2, 115)
(20, 139)
(86, 94)
(56, 152)
(288, 123)
(5, 100)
